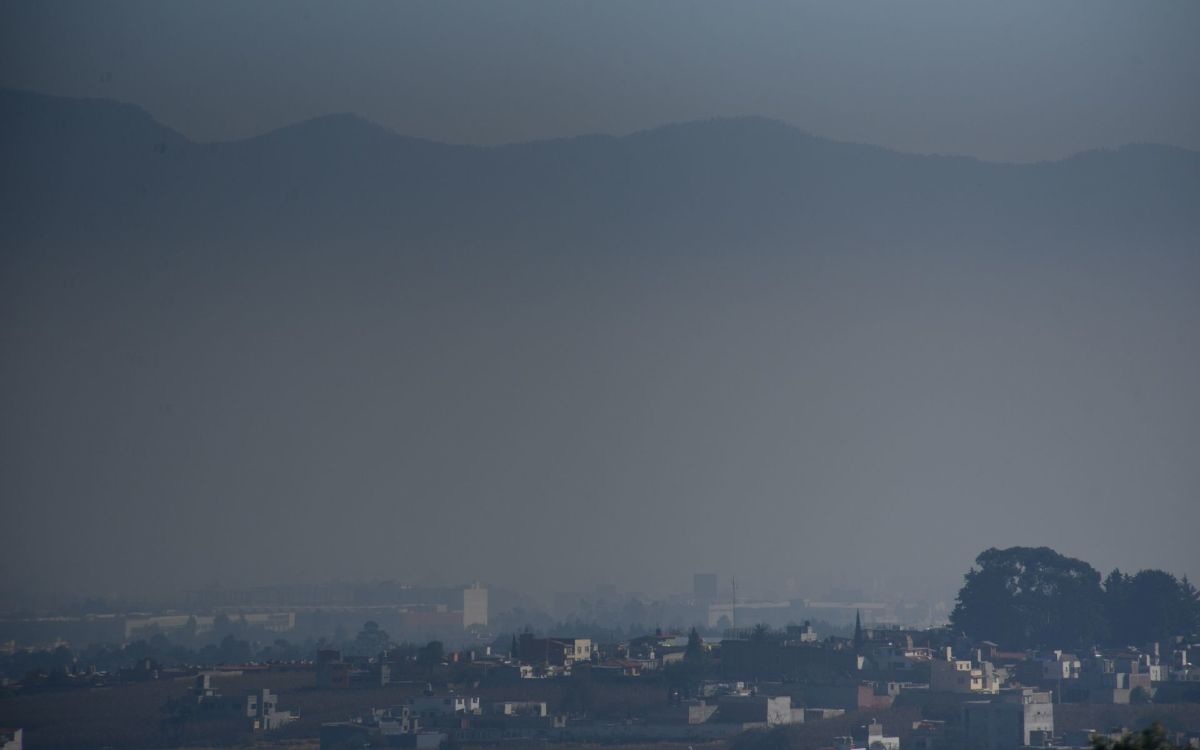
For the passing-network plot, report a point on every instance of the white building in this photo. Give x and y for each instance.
(262, 709)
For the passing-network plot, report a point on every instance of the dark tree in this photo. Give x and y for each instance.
(760, 633)
(1116, 586)
(1153, 737)
(695, 647)
(234, 651)
(371, 640)
(431, 654)
(1192, 597)
(1026, 597)
(1150, 606)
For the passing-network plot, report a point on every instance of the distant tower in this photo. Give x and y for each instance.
(858, 631)
(475, 606)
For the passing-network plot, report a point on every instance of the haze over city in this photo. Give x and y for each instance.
(244, 368)
(564, 374)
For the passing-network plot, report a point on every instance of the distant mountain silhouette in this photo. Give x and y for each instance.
(106, 173)
(726, 336)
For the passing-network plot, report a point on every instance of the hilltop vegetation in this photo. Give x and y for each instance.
(1024, 597)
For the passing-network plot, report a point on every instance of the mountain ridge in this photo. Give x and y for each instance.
(366, 125)
(99, 172)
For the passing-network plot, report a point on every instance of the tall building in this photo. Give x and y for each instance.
(1018, 718)
(475, 606)
(704, 585)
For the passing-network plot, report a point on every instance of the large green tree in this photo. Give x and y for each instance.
(1025, 597)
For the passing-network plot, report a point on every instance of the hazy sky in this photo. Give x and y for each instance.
(816, 417)
(1015, 80)
(822, 419)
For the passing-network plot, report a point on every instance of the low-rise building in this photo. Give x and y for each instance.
(757, 710)
(848, 695)
(391, 727)
(431, 706)
(929, 734)
(950, 675)
(818, 714)
(519, 708)
(263, 710)
(333, 672)
(1062, 666)
(11, 739)
(558, 652)
(867, 737)
(1014, 719)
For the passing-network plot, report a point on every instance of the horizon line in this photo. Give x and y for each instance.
(796, 129)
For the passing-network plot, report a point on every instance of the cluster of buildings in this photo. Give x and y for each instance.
(1127, 676)
(1011, 719)
(948, 664)
(553, 656)
(428, 720)
(868, 737)
(144, 626)
(749, 678)
(296, 610)
(1115, 676)
(454, 611)
(761, 677)
(259, 707)
(718, 604)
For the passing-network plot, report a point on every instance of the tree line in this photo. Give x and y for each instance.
(1034, 597)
